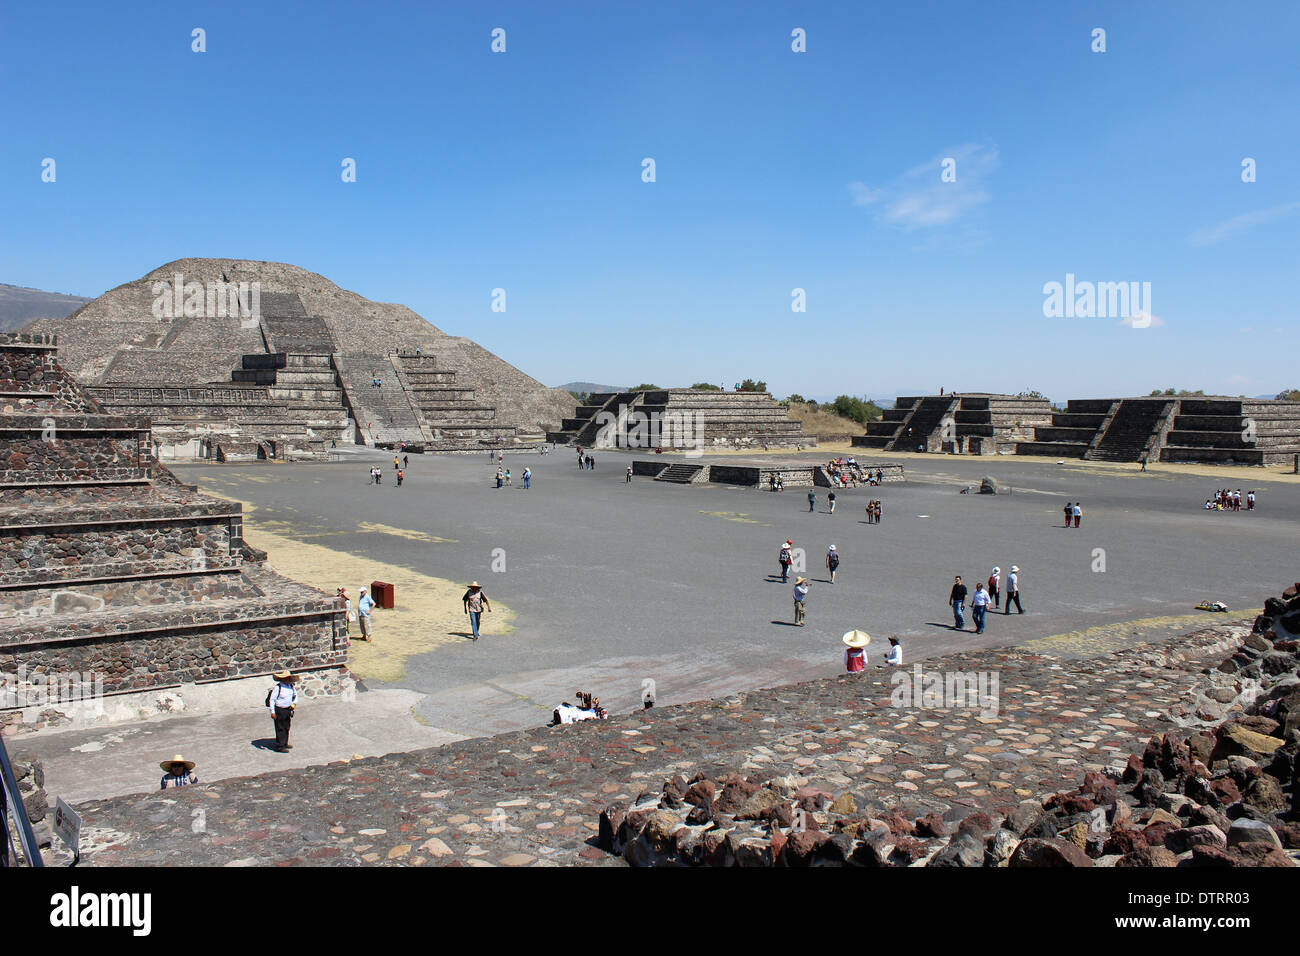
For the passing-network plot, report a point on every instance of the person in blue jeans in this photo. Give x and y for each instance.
(476, 602)
(979, 604)
(958, 600)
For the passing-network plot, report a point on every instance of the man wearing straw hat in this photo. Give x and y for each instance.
(475, 602)
(281, 701)
(855, 655)
(179, 772)
(800, 596)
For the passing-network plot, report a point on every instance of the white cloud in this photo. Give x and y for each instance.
(1210, 235)
(919, 199)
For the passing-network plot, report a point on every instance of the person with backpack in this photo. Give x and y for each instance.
(786, 558)
(995, 584)
(281, 701)
(832, 562)
(528, 477)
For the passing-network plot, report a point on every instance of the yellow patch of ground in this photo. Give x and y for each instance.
(429, 613)
(731, 516)
(370, 527)
(1108, 638)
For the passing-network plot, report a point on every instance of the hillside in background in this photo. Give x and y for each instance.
(19, 305)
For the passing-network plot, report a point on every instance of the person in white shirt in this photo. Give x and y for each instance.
(364, 606)
(894, 656)
(1013, 591)
(979, 604)
(281, 701)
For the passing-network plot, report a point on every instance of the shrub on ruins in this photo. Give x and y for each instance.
(706, 387)
(855, 409)
(644, 387)
(749, 385)
(1289, 395)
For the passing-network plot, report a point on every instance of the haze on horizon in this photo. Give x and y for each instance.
(775, 170)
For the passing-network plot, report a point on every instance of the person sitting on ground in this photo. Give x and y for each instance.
(587, 708)
(179, 772)
(894, 656)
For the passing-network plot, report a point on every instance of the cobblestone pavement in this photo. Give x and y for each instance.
(533, 797)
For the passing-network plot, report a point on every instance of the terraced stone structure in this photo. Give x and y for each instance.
(1160, 428)
(975, 424)
(289, 367)
(111, 566)
(681, 418)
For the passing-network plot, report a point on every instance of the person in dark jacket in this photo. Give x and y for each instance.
(957, 598)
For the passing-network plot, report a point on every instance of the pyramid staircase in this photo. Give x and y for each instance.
(113, 567)
(683, 474)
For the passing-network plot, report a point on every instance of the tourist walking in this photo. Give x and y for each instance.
(406, 461)
(1069, 512)
(507, 477)
(830, 497)
(812, 501)
(528, 477)
(396, 463)
(501, 477)
(476, 602)
(628, 479)
(832, 562)
(979, 604)
(281, 701)
(800, 597)
(880, 509)
(365, 604)
(786, 558)
(1077, 511)
(995, 585)
(957, 599)
(400, 475)
(1013, 591)
(1250, 501)
(855, 654)
(179, 773)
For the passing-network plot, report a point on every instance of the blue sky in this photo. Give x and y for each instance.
(775, 170)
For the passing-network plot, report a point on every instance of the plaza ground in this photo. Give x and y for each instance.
(607, 586)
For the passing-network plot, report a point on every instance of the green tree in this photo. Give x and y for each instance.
(580, 397)
(705, 387)
(855, 409)
(749, 385)
(1030, 394)
(1289, 395)
(644, 388)
(795, 399)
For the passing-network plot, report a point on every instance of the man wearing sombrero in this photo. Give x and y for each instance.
(281, 701)
(476, 602)
(179, 772)
(800, 596)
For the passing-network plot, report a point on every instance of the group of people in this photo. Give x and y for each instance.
(983, 597)
(847, 473)
(1073, 512)
(362, 615)
(586, 460)
(874, 511)
(855, 652)
(1225, 500)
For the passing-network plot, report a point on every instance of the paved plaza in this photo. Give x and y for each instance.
(612, 584)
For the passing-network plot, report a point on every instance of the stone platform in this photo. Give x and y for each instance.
(533, 797)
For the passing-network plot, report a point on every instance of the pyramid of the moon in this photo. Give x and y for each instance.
(233, 359)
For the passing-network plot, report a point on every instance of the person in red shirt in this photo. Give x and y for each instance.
(855, 654)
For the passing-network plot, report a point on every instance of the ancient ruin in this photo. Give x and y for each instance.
(1203, 429)
(111, 566)
(681, 419)
(234, 359)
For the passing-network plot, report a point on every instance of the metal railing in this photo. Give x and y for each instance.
(12, 809)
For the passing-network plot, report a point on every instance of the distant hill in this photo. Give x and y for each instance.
(19, 305)
(590, 387)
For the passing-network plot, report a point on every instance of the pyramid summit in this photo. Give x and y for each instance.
(234, 358)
